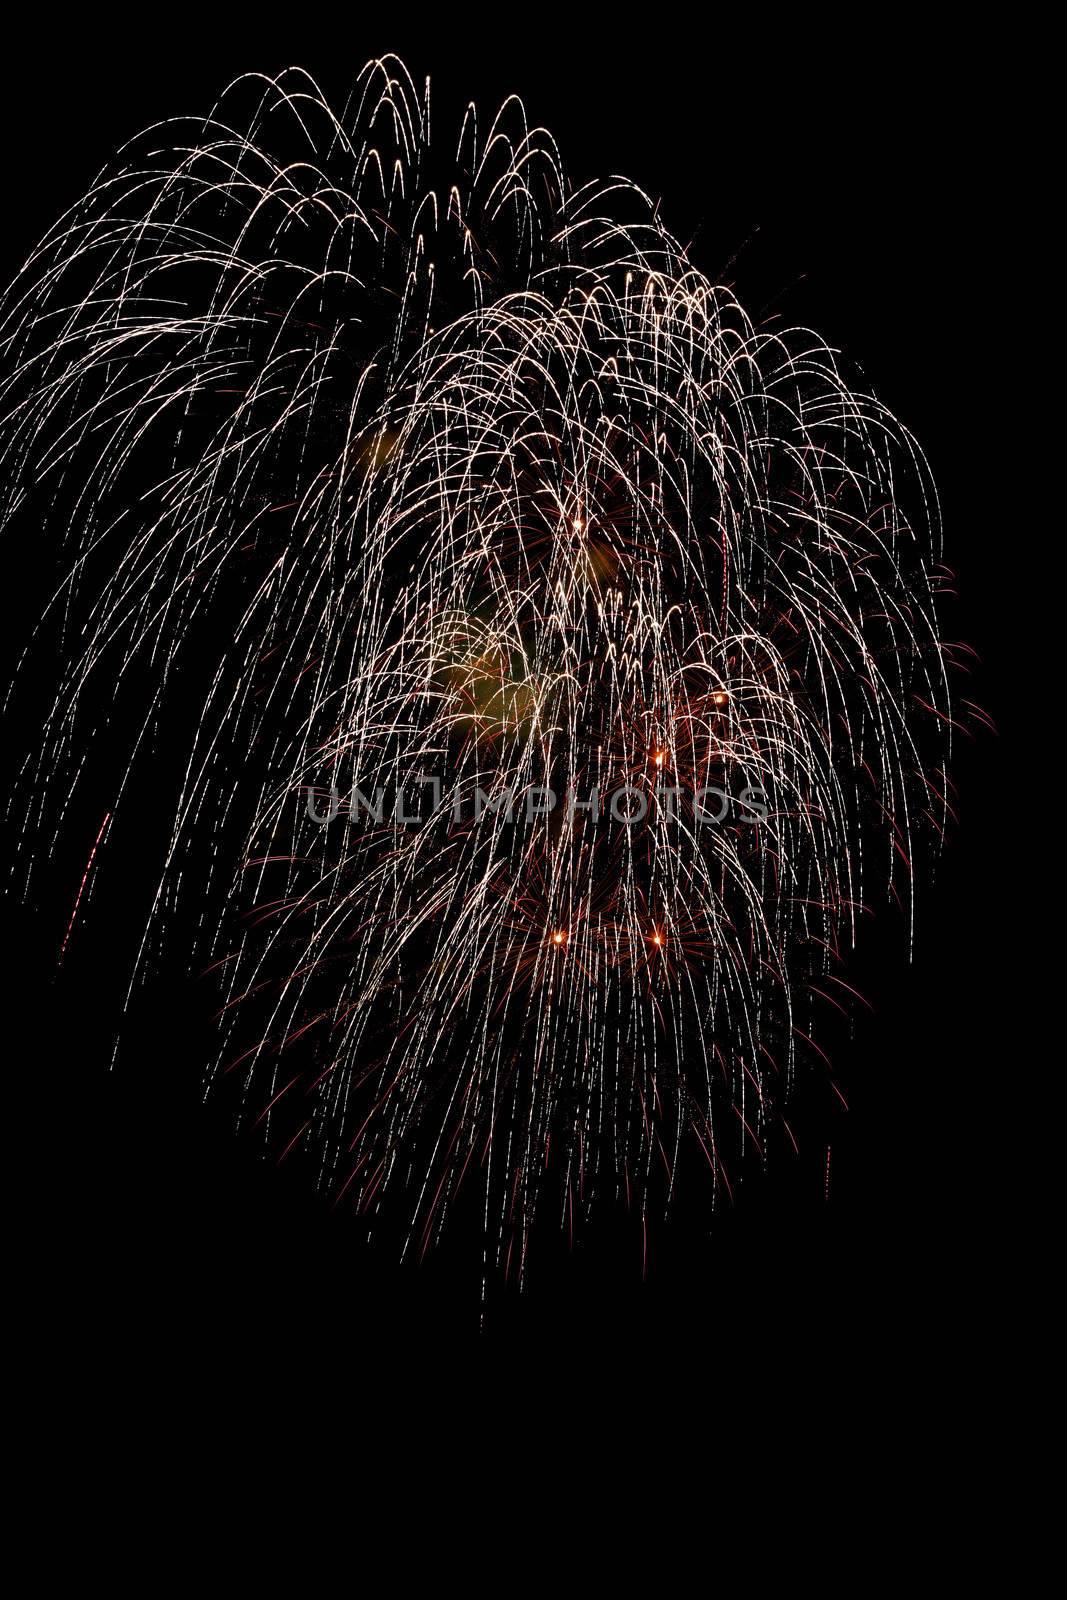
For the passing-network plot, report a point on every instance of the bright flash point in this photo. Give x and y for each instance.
(559, 937)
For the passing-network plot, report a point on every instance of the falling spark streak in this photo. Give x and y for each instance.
(81, 887)
(392, 469)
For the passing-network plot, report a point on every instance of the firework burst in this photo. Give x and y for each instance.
(450, 484)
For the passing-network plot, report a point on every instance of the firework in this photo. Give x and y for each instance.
(435, 484)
